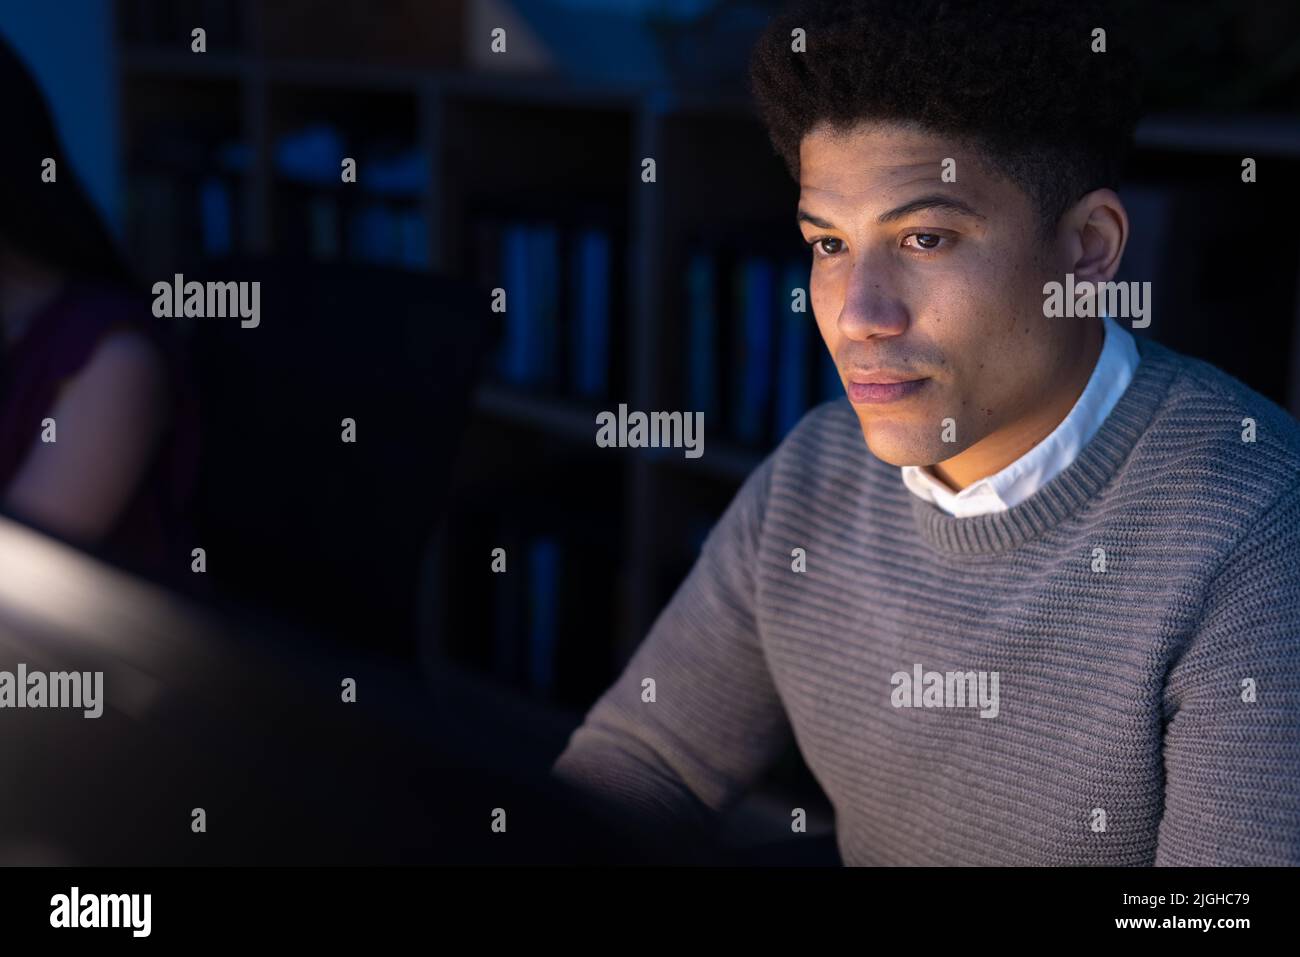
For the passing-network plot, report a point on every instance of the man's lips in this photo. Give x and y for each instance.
(877, 387)
(883, 377)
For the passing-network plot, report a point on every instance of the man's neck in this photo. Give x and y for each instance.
(995, 452)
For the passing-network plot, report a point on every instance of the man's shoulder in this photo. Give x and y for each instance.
(1219, 414)
(1219, 440)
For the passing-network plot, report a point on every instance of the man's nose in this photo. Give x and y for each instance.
(871, 307)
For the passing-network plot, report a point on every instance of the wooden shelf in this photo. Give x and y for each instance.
(1244, 135)
(519, 88)
(231, 66)
(721, 460)
(1270, 135)
(563, 419)
(573, 422)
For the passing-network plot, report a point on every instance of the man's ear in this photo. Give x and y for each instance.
(1095, 232)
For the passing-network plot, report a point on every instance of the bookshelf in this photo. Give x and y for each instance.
(494, 151)
(472, 131)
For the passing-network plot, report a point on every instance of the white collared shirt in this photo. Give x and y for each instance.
(1027, 474)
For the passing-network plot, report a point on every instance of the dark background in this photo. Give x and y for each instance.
(226, 165)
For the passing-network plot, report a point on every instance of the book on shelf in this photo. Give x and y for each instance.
(557, 332)
(544, 275)
(396, 172)
(372, 234)
(702, 335)
(184, 195)
(216, 216)
(536, 626)
(311, 155)
(517, 355)
(589, 345)
(323, 227)
(756, 310)
(413, 239)
(752, 362)
(377, 219)
(794, 345)
(543, 614)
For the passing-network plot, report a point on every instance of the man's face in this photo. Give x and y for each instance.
(915, 278)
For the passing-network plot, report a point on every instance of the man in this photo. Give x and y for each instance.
(1048, 613)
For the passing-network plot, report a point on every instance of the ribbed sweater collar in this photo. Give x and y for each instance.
(1082, 480)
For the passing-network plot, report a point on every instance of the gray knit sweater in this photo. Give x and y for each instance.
(1116, 660)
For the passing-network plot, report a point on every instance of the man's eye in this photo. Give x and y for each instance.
(820, 250)
(925, 241)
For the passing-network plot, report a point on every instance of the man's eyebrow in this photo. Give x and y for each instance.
(805, 216)
(935, 201)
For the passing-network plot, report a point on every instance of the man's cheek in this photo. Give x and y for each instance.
(957, 398)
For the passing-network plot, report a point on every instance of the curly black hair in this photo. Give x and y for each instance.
(1015, 79)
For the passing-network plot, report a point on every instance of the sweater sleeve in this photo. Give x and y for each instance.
(1232, 764)
(715, 722)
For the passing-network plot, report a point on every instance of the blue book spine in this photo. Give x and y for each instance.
(374, 235)
(516, 347)
(215, 216)
(757, 293)
(544, 603)
(590, 345)
(544, 268)
(310, 155)
(792, 358)
(414, 240)
(702, 336)
(323, 219)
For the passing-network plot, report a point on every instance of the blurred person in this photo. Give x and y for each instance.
(80, 346)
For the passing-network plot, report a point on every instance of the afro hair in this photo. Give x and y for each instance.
(1015, 79)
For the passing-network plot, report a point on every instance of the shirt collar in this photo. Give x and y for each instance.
(1027, 474)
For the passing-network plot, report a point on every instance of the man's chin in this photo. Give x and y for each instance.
(894, 448)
